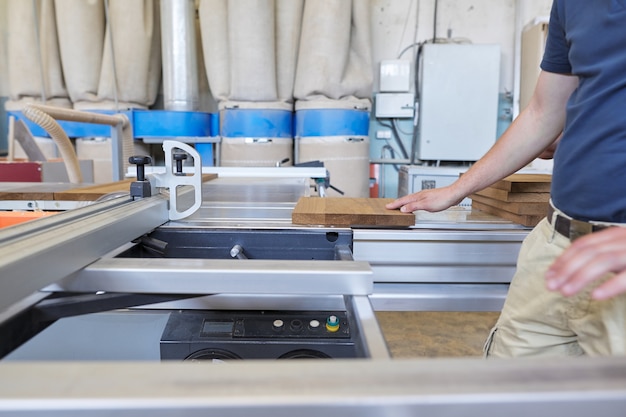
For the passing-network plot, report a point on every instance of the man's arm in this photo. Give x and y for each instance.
(531, 132)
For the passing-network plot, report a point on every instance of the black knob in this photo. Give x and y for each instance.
(140, 161)
(179, 157)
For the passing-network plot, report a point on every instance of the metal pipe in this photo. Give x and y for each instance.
(179, 55)
(66, 149)
(46, 116)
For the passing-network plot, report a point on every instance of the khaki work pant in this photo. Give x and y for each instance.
(537, 322)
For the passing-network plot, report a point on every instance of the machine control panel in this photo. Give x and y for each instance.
(278, 325)
(256, 334)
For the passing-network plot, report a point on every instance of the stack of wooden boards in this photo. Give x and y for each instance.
(345, 212)
(520, 198)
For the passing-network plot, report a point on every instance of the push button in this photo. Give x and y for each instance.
(332, 323)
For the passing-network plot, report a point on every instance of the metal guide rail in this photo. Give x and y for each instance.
(576, 387)
(39, 253)
(439, 269)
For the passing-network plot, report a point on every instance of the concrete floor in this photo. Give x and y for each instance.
(436, 334)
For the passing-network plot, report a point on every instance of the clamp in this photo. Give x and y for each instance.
(321, 183)
(172, 178)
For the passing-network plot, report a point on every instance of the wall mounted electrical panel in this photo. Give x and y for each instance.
(458, 101)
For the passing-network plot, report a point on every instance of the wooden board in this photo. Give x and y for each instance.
(345, 212)
(69, 192)
(523, 219)
(537, 209)
(525, 183)
(93, 192)
(31, 191)
(509, 197)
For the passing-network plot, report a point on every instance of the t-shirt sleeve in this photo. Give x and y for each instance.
(555, 57)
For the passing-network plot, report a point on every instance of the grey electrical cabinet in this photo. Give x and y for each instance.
(458, 106)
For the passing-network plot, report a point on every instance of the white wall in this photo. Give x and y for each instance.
(480, 21)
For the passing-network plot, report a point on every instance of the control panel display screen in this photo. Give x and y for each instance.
(213, 327)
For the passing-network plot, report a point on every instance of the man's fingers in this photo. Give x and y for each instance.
(588, 259)
(611, 288)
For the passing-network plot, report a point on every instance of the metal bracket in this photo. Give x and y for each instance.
(172, 179)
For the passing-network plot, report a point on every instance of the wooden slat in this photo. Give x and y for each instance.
(537, 209)
(67, 191)
(507, 196)
(525, 183)
(31, 191)
(93, 192)
(343, 211)
(526, 220)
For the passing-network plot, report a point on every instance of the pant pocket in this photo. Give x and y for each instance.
(487, 347)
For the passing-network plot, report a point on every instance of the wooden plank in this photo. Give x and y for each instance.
(208, 177)
(537, 209)
(93, 192)
(507, 196)
(526, 220)
(345, 212)
(525, 183)
(26, 195)
(31, 191)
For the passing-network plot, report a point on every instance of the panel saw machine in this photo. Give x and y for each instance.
(237, 278)
(232, 278)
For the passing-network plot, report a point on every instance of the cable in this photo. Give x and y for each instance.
(406, 21)
(396, 136)
(392, 153)
(413, 45)
(416, 119)
(435, 22)
(398, 139)
(397, 126)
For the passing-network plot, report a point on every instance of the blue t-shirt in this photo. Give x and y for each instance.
(587, 38)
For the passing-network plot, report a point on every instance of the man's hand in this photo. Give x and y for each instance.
(437, 199)
(588, 259)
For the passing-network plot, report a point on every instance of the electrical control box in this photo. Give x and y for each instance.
(395, 76)
(394, 105)
(458, 101)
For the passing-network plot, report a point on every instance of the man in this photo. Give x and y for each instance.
(581, 93)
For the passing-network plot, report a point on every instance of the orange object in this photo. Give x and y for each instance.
(374, 179)
(10, 218)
